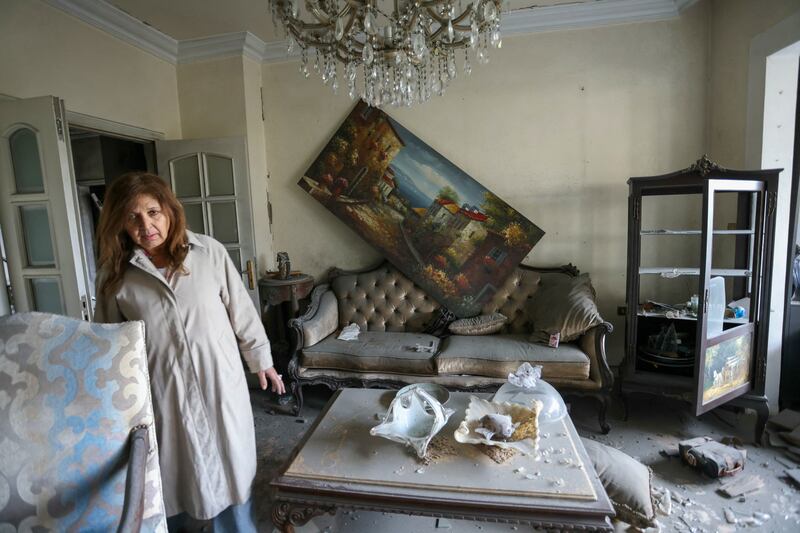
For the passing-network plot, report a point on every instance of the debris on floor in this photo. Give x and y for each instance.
(741, 486)
(711, 457)
(783, 431)
(754, 519)
(794, 475)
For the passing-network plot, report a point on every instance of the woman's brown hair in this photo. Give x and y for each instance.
(113, 241)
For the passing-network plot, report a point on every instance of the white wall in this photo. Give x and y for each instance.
(45, 51)
(222, 98)
(554, 125)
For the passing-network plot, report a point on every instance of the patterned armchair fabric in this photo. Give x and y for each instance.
(70, 394)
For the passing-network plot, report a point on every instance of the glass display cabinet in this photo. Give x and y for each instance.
(700, 246)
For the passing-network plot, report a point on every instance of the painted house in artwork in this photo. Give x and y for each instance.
(387, 184)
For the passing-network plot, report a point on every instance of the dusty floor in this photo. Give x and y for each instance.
(652, 426)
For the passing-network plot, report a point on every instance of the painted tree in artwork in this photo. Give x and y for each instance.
(506, 221)
(448, 193)
(499, 212)
(514, 235)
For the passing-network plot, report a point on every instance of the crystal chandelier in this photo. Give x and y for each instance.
(389, 52)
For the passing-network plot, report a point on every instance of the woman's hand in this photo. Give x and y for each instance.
(274, 379)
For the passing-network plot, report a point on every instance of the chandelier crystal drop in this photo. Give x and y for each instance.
(389, 52)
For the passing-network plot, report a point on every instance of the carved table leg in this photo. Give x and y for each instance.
(286, 515)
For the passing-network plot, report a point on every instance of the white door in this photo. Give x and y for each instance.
(38, 209)
(209, 177)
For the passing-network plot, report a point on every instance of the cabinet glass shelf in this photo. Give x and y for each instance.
(695, 232)
(644, 314)
(679, 271)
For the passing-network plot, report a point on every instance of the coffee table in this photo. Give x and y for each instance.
(339, 465)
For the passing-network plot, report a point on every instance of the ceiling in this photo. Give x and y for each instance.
(193, 19)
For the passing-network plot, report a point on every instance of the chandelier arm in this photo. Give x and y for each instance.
(433, 3)
(300, 25)
(443, 23)
(443, 20)
(318, 13)
(343, 54)
(308, 40)
(461, 43)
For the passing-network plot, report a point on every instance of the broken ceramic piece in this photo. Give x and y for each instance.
(497, 427)
(414, 417)
(525, 437)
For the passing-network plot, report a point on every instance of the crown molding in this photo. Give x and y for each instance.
(219, 46)
(123, 26)
(587, 15)
(119, 24)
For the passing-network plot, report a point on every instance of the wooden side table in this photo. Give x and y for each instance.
(276, 295)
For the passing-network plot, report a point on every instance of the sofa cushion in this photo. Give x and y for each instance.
(499, 355)
(567, 307)
(627, 482)
(478, 325)
(374, 351)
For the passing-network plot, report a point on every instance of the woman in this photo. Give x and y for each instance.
(198, 319)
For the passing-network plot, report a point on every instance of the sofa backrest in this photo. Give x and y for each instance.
(382, 299)
(512, 297)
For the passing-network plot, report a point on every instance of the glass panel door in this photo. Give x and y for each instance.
(38, 209)
(727, 316)
(209, 177)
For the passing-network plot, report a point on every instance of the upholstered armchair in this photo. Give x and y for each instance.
(77, 448)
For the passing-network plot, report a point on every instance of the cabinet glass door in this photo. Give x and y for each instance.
(729, 291)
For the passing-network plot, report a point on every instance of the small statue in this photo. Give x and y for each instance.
(284, 265)
(526, 376)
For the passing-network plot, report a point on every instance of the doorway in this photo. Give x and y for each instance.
(98, 158)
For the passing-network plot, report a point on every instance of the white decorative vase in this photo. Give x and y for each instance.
(414, 417)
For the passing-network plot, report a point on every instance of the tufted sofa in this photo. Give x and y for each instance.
(402, 341)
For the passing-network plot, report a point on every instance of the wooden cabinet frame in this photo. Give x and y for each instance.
(755, 246)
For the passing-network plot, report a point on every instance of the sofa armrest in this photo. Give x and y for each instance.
(320, 319)
(593, 343)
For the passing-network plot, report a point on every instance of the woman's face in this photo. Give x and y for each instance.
(147, 224)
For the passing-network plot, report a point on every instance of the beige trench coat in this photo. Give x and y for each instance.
(196, 327)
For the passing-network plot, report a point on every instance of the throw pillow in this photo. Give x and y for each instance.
(627, 483)
(566, 307)
(479, 325)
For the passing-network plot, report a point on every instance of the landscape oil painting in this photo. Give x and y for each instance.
(441, 228)
(727, 367)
